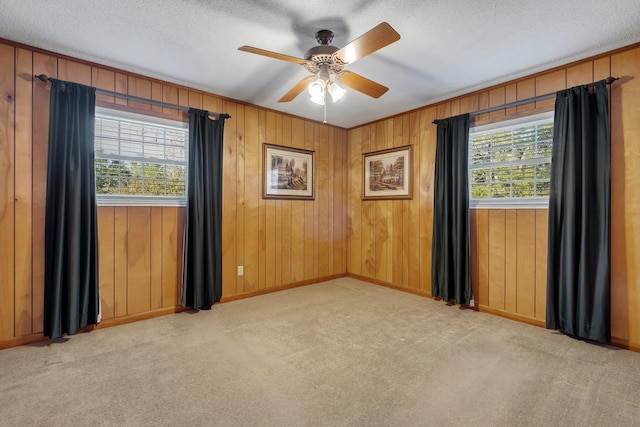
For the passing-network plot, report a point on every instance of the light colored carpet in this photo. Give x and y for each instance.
(339, 353)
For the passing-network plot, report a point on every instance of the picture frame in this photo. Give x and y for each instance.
(288, 172)
(388, 174)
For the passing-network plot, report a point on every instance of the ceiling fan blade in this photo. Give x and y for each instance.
(362, 84)
(376, 38)
(297, 89)
(270, 54)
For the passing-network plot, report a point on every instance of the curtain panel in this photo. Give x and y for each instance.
(578, 266)
(202, 269)
(450, 262)
(71, 299)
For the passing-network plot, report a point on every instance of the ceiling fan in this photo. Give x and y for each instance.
(326, 61)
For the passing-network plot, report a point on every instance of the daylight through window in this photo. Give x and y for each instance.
(139, 159)
(511, 162)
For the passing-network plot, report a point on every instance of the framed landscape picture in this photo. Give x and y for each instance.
(288, 173)
(387, 174)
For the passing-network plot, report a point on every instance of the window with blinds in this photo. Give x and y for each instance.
(139, 160)
(510, 162)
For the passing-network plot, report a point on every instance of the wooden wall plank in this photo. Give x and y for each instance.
(497, 97)
(625, 197)
(526, 262)
(278, 219)
(23, 194)
(511, 95)
(354, 228)
(120, 262)
(309, 219)
(106, 259)
(262, 231)
(141, 88)
(7, 191)
(482, 227)
(367, 219)
(412, 130)
(252, 195)
(394, 138)
(526, 89)
(427, 141)
(469, 104)
(195, 99)
(580, 74)
(380, 207)
(340, 210)
(229, 203)
(497, 258)
(172, 255)
(103, 79)
(542, 227)
(322, 200)
(156, 95)
(483, 103)
(74, 71)
(511, 276)
(155, 265)
(121, 86)
(331, 196)
(139, 260)
(269, 213)
(240, 193)
(602, 68)
(549, 83)
(42, 64)
(170, 96)
(287, 219)
(298, 213)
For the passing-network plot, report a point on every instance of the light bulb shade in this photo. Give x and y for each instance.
(316, 88)
(318, 99)
(336, 91)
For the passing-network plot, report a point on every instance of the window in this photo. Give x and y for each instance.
(510, 163)
(140, 160)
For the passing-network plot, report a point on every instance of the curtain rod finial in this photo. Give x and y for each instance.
(42, 77)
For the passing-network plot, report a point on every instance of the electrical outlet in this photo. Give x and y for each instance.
(241, 270)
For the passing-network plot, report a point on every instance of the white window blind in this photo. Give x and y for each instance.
(139, 160)
(510, 162)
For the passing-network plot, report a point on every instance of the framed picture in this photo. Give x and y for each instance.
(288, 173)
(387, 174)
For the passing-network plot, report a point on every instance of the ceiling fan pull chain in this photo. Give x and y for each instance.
(325, 108)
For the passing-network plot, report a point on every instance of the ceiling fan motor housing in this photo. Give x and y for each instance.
(322, 55)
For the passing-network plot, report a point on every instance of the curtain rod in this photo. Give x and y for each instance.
(608, 81)
(45, 78)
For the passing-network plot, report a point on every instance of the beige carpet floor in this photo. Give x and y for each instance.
(339, 353)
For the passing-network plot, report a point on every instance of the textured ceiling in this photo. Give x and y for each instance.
(447, 47)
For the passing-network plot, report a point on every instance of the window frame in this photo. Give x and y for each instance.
(141, 200)
(512, 202)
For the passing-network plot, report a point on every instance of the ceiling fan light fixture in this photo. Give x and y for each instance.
(318, 99)
(336, 91)
(316, 88)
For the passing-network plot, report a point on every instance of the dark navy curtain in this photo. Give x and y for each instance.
(202, 270)
(450, 260)
(71, 298)
(578, 266)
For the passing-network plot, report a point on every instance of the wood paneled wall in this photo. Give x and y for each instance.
(280, 243)
(390, 241)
